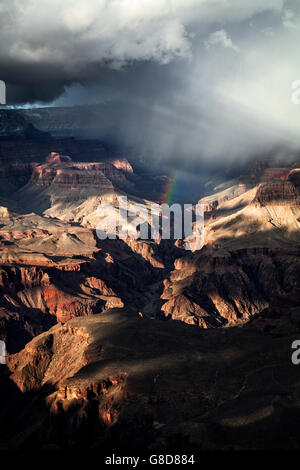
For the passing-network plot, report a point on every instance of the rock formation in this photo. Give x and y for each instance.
(251, 253)
(146, 345)
(139, 385)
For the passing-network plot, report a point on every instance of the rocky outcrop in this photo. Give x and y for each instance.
(60, 172)
(34, 289)
(214, 201)
(54, 271)
(72, 191)
(120, 378)
(230, 288)
(145, 386)
(18, 156)
(49, 273)
(250, 255)
(271, 174)
(123, 165)
(279, 192)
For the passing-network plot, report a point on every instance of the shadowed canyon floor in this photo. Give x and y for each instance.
(118, 381)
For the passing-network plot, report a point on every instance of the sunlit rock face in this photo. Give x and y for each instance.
(283, 192)
(98, 331)
(123, 164)
(251, 252)
(59, 173)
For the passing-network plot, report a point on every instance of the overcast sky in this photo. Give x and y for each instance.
(212, 77)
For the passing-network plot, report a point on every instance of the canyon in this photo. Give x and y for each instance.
(117, 382)
(115, 343)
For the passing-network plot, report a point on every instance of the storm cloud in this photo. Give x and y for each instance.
(193, 78)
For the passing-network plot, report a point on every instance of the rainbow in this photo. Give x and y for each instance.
(169, 191)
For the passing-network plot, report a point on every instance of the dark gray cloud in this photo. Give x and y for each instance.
(192, 78)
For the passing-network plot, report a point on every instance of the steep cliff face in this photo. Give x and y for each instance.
(47, 273)
(20, 154)
(53, 271)
(60, 172)
(283, 192)
(251, 253)
(123, 164)
(228, 288)
(121, 374)
(271, 174)
(72, 191)
(141, 385)
(272, 184)
(214, 201)
(39, 297)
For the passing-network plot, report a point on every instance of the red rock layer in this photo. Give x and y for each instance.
(279, 192)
